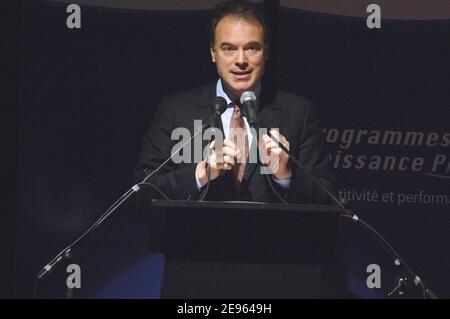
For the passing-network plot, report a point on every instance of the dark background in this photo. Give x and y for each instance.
(78, 102)
(9, 48)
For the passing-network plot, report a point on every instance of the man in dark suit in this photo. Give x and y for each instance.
(297, 121)
(239, 48)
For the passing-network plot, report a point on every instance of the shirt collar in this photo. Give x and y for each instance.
(221, 92)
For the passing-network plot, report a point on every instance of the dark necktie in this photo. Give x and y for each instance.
(238, 135)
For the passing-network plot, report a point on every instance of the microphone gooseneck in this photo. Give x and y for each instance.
(249, 104)
(250, 111)
(218, 106)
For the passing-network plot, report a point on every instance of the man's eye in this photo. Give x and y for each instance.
(254, 48)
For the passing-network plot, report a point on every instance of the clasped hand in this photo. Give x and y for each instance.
(227, 155)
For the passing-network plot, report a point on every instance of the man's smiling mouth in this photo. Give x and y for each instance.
(242, 75)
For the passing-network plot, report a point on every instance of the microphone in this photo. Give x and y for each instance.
(217, 107)
(250, 108)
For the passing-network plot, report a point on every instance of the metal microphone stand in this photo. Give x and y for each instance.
(402, 280)
(65, 254)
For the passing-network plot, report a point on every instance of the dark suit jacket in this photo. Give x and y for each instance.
(295, 116)
(221, 238)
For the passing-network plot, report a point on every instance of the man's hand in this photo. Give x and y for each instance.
(221, 158)
(273, 156)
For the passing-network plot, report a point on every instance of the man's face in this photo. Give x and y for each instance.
(239, 54)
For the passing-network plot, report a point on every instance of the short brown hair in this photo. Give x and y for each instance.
(239, 8)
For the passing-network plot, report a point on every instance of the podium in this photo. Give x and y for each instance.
(247, 249)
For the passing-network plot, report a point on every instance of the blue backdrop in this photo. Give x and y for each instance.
(87, 95)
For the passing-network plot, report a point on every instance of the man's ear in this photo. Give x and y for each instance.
(213, 54)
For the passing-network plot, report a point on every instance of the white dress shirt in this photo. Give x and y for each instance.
(226, 119)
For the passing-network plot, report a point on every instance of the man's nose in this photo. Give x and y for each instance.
(241, 59)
